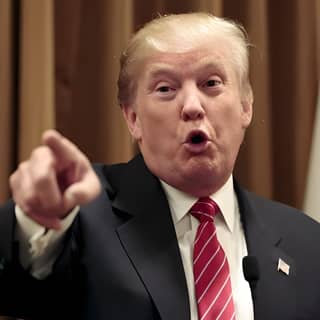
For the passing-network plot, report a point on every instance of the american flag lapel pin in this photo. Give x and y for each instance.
(283, 267)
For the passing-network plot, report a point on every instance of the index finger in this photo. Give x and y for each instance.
(63, 149)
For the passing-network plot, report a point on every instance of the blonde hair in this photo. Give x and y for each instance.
(190, 29)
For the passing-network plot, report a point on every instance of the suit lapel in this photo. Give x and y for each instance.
(274, 294)
(149, 238)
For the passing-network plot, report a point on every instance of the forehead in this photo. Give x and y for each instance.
(201, 59)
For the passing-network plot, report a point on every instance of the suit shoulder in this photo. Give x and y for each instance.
(108, 173)
(118, 175)
(280, 214)
(264, 203)
(111, 171)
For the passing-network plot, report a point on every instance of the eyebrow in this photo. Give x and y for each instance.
(163, 69)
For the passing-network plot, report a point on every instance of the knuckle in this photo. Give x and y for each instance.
(42, 178)
(16, 177)
(43, 155)
(35, 153)
(23, 166)
(48, 159)
(38, 152)
(30, 200)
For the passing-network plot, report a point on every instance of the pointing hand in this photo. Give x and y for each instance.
(56, 178)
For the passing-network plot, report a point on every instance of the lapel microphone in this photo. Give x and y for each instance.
(251, 271)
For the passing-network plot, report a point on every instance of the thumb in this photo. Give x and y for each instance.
(82, 192)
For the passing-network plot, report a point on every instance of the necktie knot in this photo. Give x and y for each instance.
(204, 209)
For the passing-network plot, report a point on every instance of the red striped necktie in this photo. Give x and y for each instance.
(210, 266)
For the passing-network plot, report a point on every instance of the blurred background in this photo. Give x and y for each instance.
(59, 65)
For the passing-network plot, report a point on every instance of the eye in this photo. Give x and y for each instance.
(212, 82)
(163, 89)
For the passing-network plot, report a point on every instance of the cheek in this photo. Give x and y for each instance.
(151, 129)
(234, 113)
(229, 124)
(158, 119)
(160, 134)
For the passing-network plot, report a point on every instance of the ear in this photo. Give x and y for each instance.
(246, 112)
(132, 120)
(246, 106)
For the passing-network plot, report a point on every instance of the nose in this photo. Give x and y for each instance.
(192, 108)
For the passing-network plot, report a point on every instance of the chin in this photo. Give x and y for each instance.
(199, 173)
(208, 177)
(201, 166)
(201, 176)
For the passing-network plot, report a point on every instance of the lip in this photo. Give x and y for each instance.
(196, 148)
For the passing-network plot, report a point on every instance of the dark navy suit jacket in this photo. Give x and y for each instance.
(121, 258)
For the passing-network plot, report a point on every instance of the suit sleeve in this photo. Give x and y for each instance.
(24, 296)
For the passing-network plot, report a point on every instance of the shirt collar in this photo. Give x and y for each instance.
(180, 202)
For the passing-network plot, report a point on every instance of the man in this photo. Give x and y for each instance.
(129, 244)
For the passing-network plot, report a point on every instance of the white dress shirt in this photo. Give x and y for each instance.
(230, 235)
(40, 247)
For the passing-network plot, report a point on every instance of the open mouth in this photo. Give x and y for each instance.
(197, 137)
